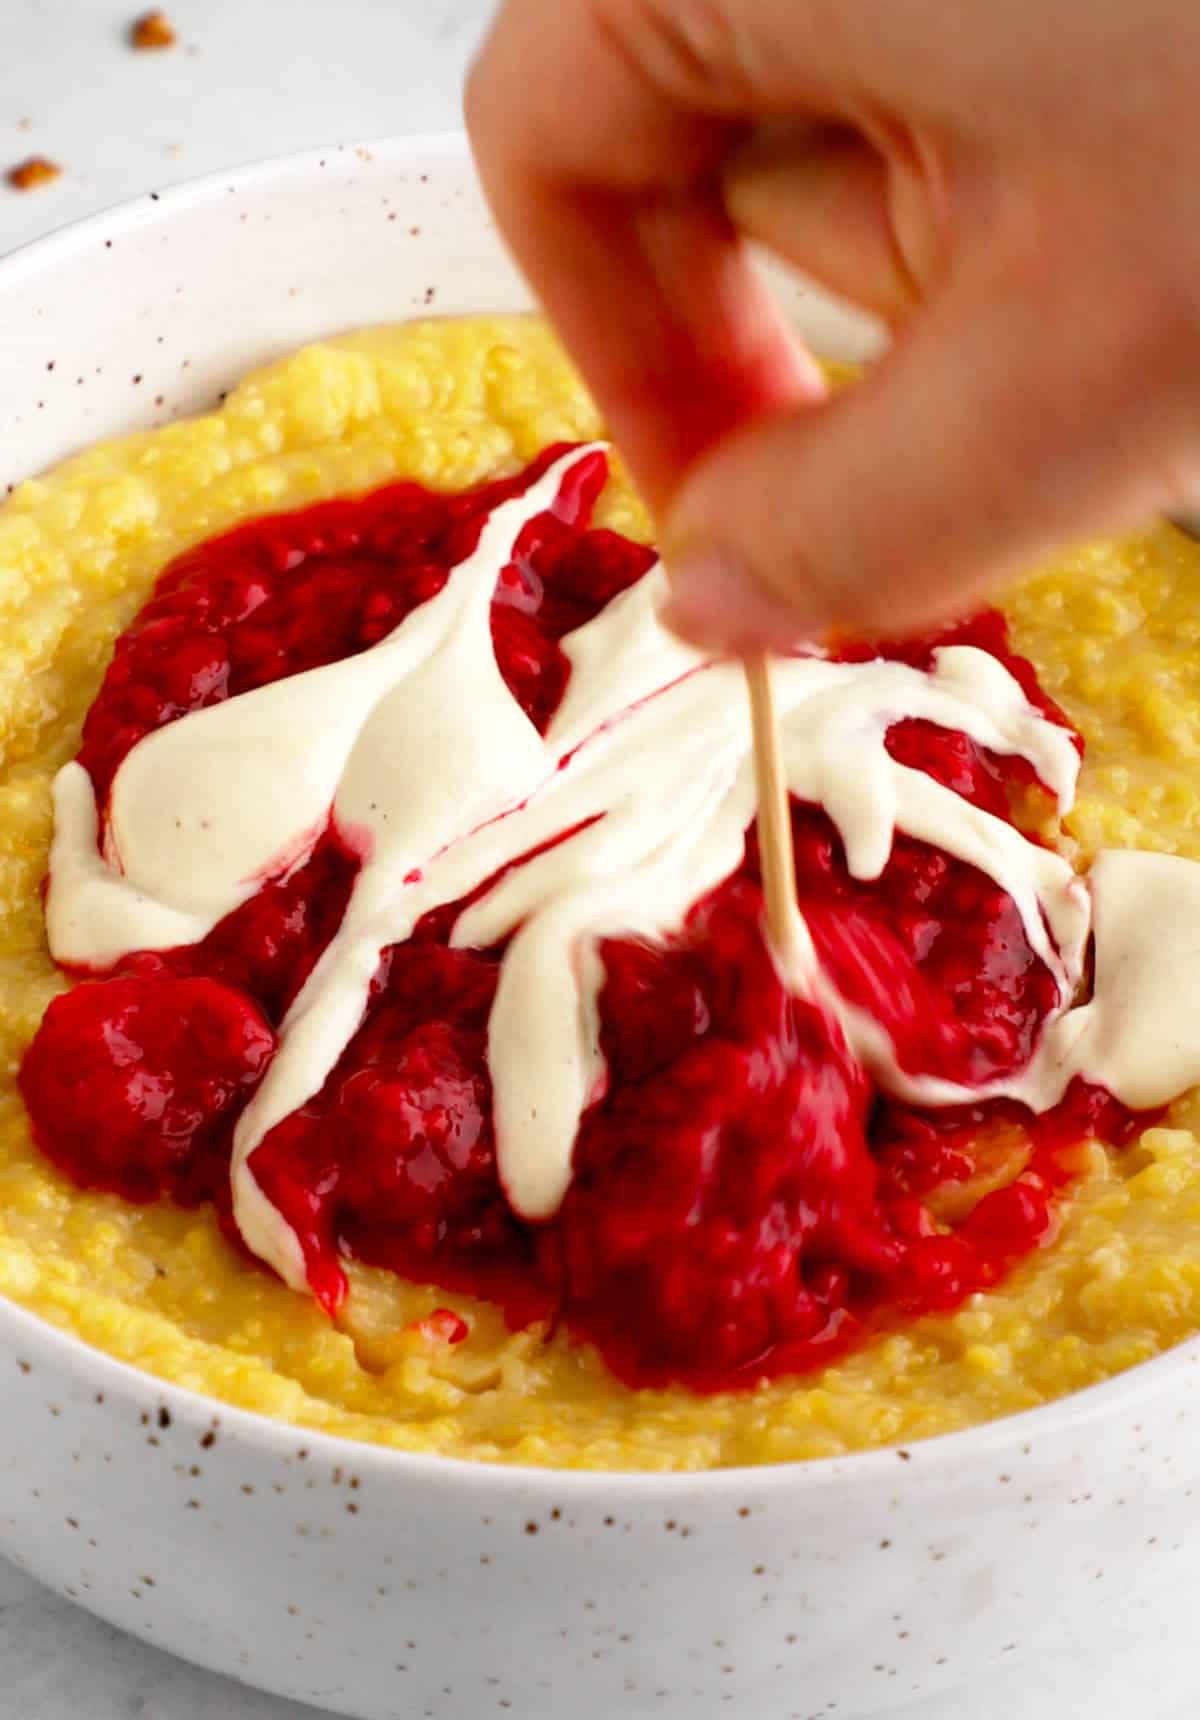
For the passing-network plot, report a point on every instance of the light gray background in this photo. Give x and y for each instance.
(249, 78)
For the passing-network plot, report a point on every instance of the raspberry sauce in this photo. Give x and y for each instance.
(745, 1202)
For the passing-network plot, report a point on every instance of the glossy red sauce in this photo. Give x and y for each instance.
(744, 1202)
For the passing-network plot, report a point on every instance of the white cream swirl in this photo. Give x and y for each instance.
(420, 750)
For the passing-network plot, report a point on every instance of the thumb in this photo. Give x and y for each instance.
(993, 433)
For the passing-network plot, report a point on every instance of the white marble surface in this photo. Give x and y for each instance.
(249, 78)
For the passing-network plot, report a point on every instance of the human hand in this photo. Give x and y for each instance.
(1015, 189)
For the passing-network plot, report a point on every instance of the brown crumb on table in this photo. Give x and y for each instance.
(152, 30)
(35, 170)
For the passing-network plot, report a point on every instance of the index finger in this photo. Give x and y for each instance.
(602, 176)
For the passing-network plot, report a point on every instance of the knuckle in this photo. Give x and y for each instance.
(699, 51)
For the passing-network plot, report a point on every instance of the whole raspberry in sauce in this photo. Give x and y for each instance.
(718, 1199)
(134, 1083)
(744, 1203)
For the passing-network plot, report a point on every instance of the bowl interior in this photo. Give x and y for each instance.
(146, 313)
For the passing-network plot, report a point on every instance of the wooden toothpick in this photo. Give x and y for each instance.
(776, 853)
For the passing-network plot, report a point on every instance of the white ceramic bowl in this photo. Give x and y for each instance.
(1042, 1565)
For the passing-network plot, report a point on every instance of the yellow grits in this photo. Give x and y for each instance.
(1115, 633)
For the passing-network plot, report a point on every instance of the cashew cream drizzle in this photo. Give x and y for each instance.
(430, 765)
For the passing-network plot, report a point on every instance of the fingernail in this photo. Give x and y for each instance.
(715, 602)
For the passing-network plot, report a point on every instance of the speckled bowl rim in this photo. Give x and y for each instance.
(103, 1372)
(148, 206)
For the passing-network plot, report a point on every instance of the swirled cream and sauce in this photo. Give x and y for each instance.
(549, 847)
